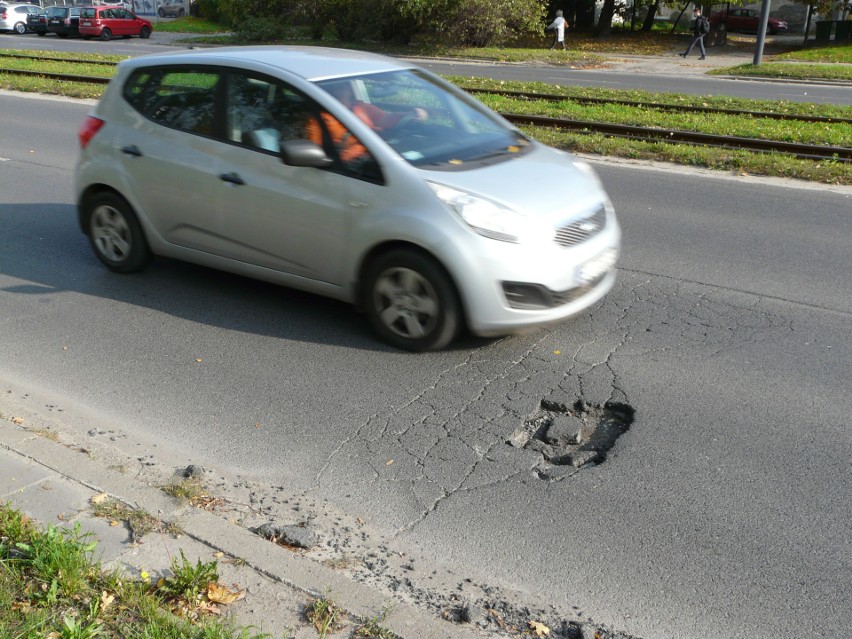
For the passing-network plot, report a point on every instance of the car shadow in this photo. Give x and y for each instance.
(44, 247)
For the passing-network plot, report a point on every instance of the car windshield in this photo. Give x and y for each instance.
(427, 123)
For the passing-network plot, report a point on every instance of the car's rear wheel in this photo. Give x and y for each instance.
(145, 33)
(20, 28)
(106, 34)
(411, 301)
(115, 233)
(161, 13)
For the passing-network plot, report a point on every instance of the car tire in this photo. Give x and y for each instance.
(105, 35)
(161, 13)
(411, 301)
(145, 33)
(87, 37)
(20, 28)
(62, 35)
(115, 234)
(181, 13)
(41, 33)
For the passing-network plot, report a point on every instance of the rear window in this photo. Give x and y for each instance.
(57, 12)
(88, 12)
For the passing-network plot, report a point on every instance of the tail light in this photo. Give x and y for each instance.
(91, 125)
(67, 22)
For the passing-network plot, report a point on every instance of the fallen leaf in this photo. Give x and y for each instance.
(360, 521)
(388, 462)
(219, 554)
(106, 599)
(557, 352)
(539, 629)
(198, 359)
(220, 594)
(17, 420)
(258, 426)
(99, 499)
(114, 523)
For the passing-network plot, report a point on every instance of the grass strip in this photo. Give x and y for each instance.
(820, 54)
(788, 70)
(50, 586)
(736, 161)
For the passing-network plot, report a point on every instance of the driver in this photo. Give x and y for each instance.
(374, 117)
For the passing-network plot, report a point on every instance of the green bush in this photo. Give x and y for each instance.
(208, 9)
(256, 29)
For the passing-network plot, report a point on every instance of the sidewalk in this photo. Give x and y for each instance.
(54, 484)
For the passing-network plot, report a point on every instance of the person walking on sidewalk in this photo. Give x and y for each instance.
(699, 30)
(558, 25)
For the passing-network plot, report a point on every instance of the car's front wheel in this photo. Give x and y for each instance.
(411, 301)
(115, 233)
(145, 33)
(161, 13)
(106, 34)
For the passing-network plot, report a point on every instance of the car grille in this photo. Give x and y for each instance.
(580, 230)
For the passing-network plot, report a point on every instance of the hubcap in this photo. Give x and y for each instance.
(110, 233)
(406, 302)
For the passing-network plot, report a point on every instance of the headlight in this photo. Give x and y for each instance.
(487, 218)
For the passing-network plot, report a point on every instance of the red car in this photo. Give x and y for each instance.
(746, 20)
(104, 22)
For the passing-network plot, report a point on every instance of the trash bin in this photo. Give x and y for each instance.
(823, 31)
(843, 31)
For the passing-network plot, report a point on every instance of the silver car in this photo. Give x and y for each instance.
(346, 174)
(172, 8)
(13, 17)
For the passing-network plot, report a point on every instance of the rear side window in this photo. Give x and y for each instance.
(88, 12)
(182, 99)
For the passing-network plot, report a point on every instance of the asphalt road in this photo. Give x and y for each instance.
(722, 512)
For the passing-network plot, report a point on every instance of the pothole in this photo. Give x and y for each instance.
(572, 437)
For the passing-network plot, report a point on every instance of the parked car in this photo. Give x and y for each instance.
(63, 21)
(105, 22)
(14, 17)
(746, 20)
(350, 175)
(172, 9)
(37, 22)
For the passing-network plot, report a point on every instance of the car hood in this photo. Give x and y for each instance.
(544, 183)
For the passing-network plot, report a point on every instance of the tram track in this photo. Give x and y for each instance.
(641, 133)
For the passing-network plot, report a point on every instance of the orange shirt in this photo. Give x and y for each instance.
(347, 145)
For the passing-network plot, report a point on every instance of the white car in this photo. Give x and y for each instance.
(346, 174)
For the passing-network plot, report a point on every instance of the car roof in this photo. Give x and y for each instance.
(310, 63)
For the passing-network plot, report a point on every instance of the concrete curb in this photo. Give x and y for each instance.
(273, 561)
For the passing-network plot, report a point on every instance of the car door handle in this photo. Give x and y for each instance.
(132, 150)
(233, 178)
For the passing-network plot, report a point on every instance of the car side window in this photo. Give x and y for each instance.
(262, 113)
(182, 98)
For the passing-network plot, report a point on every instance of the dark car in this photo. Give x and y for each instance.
(746, 20)
(63, 21)
(37, 22)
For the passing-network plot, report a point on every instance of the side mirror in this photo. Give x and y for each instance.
(304, 153)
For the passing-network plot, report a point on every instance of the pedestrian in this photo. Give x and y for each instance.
(558, 25)
(699, 30)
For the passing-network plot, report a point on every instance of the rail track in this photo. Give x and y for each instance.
(649, 134)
